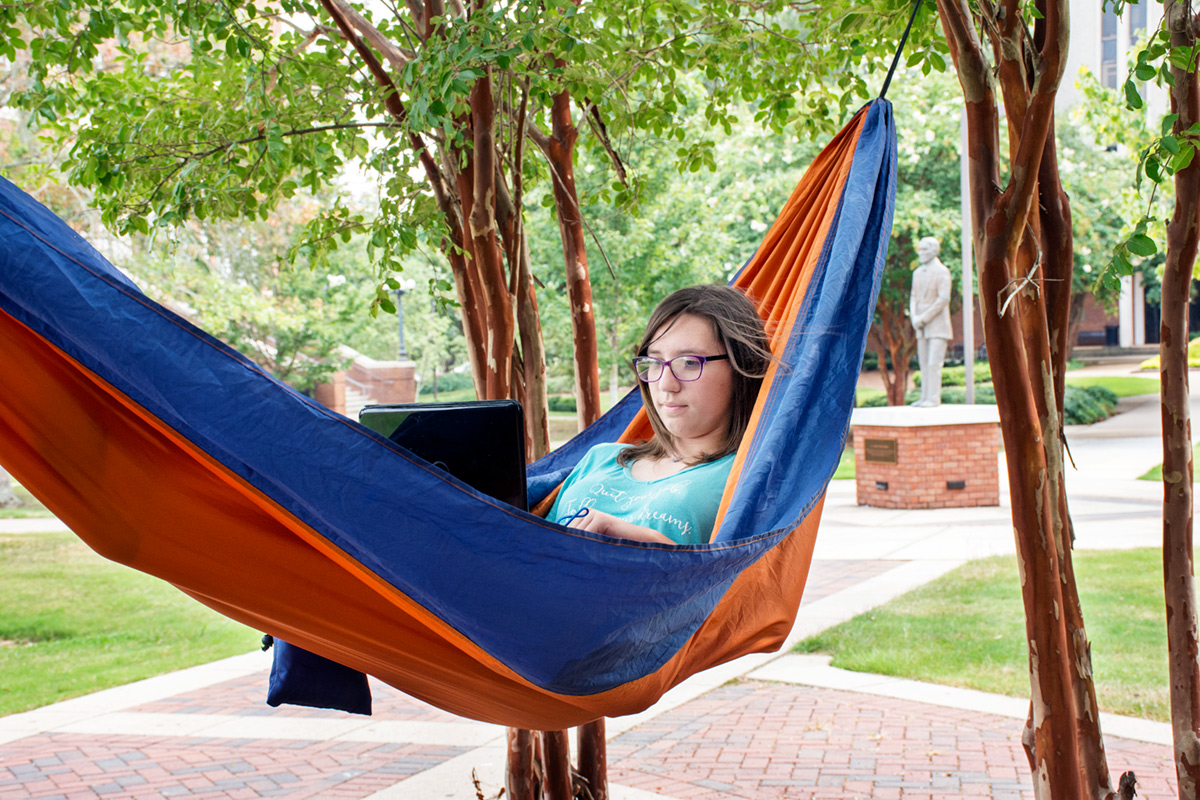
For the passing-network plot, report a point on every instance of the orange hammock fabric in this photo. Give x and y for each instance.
(167, 451)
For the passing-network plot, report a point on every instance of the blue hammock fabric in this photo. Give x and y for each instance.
(166, 450)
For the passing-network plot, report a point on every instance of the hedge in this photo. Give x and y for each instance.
(1082, 405)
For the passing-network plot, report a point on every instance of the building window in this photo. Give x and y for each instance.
(1108, 48)
(1137, 22)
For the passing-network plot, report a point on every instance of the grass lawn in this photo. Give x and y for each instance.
(1121, 385)
(865, 393)
(457, 396)
(967, 629)
(72, 623)
(845, 470)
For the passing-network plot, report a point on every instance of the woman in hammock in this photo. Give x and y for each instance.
(700, 365)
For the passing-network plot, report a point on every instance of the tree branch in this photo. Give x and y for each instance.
(260, 137)
(591, 112)
(1022, 185)
(543, 143)
(395, 56)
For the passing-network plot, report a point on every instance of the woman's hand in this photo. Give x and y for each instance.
(600, 522)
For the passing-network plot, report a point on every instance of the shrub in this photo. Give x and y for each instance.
(561, 403)
(450, 382)
(1084, 405)
(1105, 396)
(985, 395)
(1193, 357)
(560, 384)
(957, 376)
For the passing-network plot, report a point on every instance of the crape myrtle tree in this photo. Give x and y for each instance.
(1167, 165)
(1015, 53)
(175, 111)
(221, 110)
(1021, 228)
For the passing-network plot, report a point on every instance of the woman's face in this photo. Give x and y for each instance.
(696, 412)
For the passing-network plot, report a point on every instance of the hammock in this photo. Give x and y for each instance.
(165, 450)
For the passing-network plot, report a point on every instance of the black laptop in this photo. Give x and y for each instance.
(482, 443)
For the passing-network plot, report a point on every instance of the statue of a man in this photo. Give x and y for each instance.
(929, 312)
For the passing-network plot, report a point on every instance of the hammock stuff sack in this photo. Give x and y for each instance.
(166, 450)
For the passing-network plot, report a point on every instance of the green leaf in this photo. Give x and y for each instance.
(1132, 98)
(1184, 159)
(1145, 72)
(1168, 123)
(1154, 169)
(1171, 145)
(1142, 245)
(1121, 265)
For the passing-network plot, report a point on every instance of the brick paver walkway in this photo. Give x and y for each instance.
(763, 741)
(747, 739)
(79, 766)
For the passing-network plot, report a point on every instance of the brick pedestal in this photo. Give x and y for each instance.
(944, 457)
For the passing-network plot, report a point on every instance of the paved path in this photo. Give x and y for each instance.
(764, 726)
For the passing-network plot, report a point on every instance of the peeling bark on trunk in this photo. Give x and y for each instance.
(1022, 238)
(559, 148)
(482, 224)
(1183, 238)
(533, 361)
(556, 762)
(1057, 264)
(519, 779)
(484, 231)
(593, 760)
(529, 371)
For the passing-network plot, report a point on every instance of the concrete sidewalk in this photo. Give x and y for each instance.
(765, 726)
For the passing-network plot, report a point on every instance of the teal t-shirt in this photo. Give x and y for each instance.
(683, 506)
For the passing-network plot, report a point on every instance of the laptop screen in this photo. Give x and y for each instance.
(481, 443)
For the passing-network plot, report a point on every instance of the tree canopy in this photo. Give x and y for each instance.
(222, 111)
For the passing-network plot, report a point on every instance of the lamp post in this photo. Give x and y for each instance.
(405, 287)
(968, 268)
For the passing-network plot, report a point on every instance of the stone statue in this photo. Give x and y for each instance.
(929, 312)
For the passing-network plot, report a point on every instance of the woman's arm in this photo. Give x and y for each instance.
(599, 522)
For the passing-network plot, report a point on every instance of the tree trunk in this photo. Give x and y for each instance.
(894, 336)
(593, 760)
(533, 359)
(481, 219)
(529, 375)
(519, 779)
(1021, 236)
(1077, 305)
(1058, 262)
(556, 764)
(1183, 237)
(559, 148)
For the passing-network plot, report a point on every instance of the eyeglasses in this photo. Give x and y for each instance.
(684, 368)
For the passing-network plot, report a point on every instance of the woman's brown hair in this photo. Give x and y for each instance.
(740, 331)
